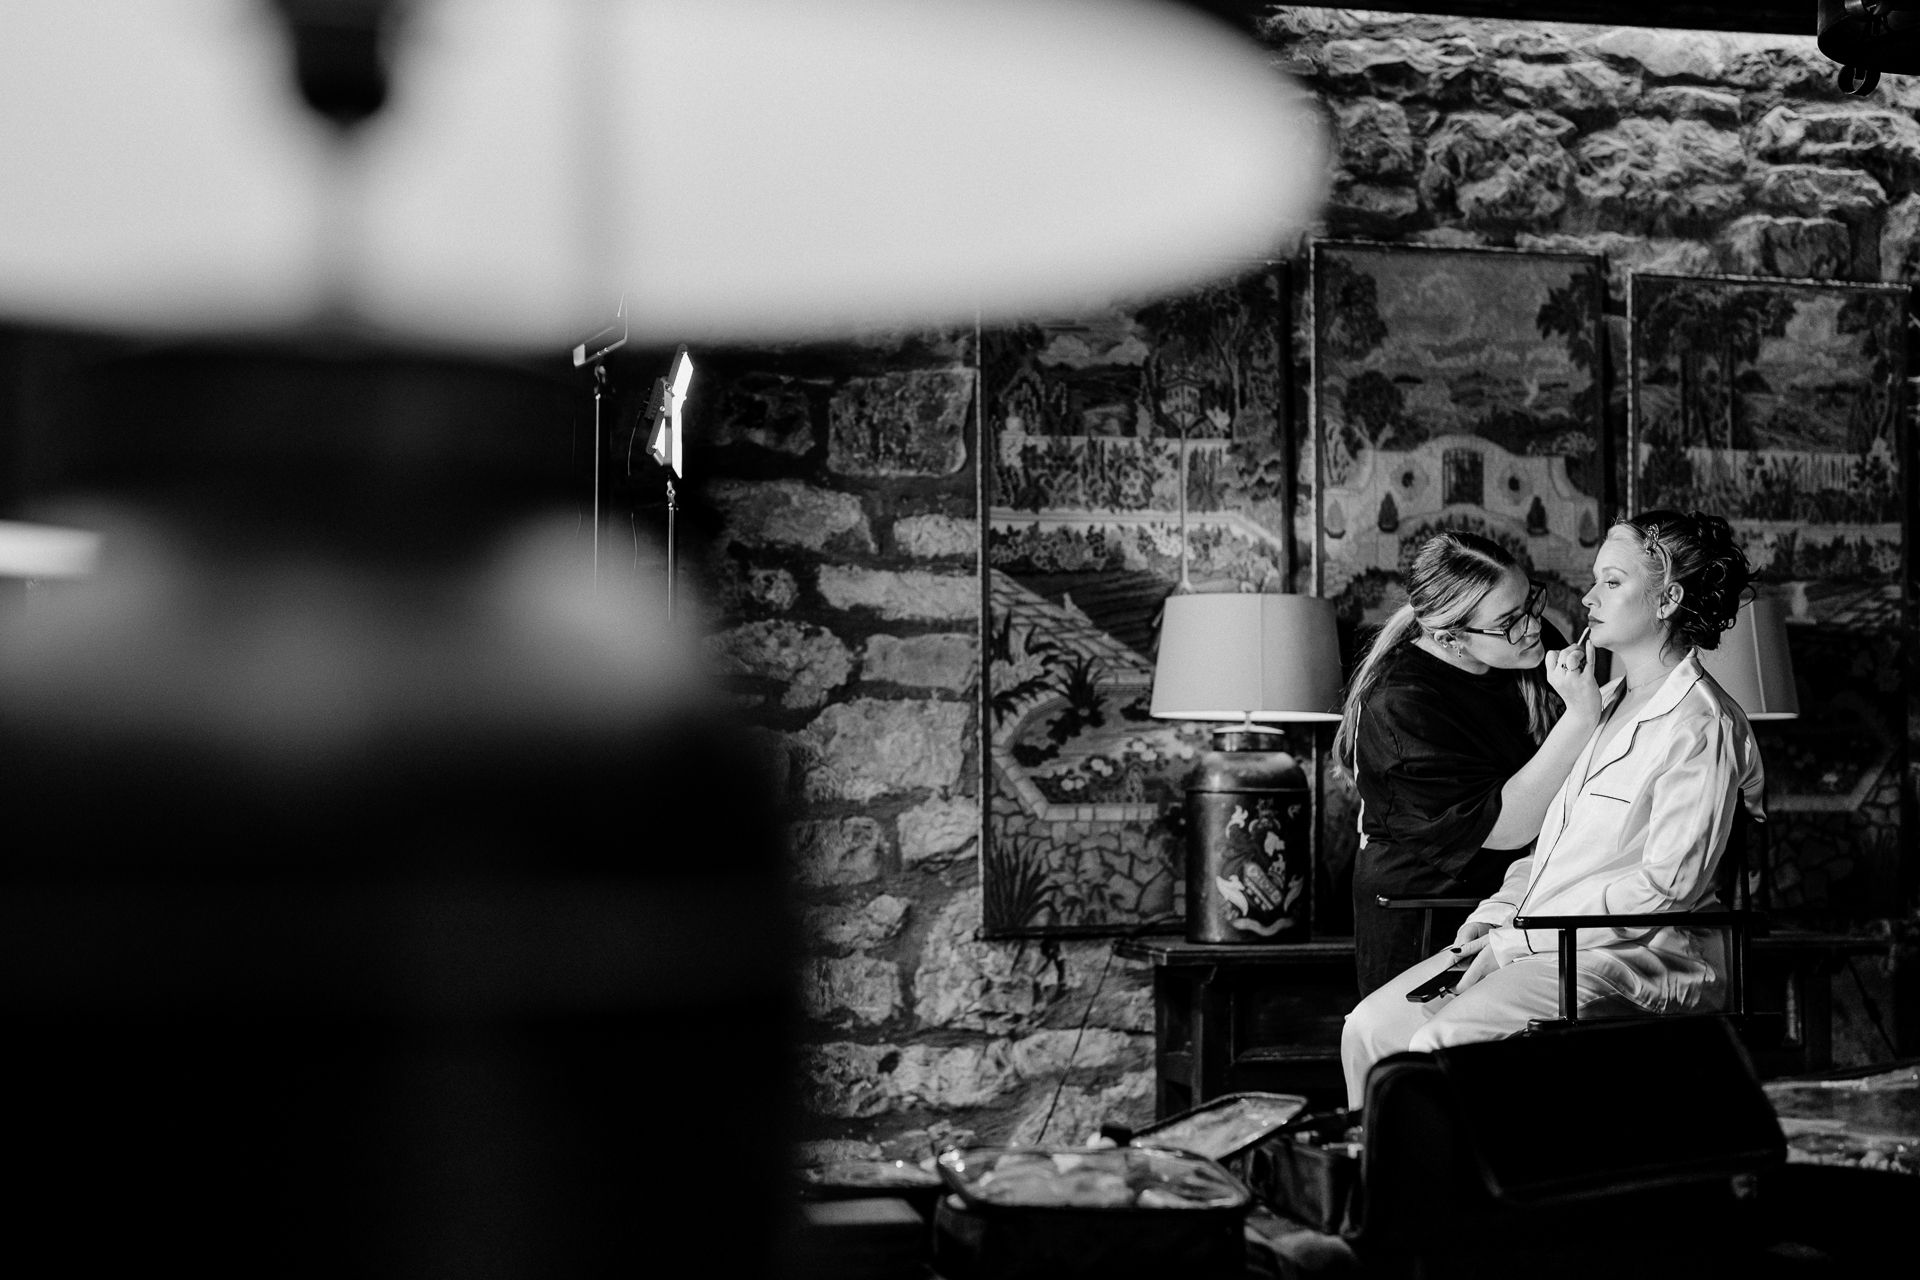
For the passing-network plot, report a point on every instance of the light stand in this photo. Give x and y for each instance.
(667, 443)
(595, 351)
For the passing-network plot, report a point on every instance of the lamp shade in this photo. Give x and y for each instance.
(1238, 657)
(1752, 663)
(43, 551)
(746, 169)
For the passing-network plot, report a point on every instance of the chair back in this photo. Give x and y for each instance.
(1730, 877)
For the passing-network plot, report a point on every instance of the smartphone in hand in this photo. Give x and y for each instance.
(1441, 983)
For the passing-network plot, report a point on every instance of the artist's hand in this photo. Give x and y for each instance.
(1483, 962)
(1570, 673)
(1468, 932)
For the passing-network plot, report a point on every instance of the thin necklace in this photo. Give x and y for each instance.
(1635, 688)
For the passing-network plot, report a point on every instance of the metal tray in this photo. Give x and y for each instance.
(1226, 1126)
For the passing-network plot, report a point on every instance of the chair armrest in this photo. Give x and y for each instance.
(1708, 919)
(1396, 902)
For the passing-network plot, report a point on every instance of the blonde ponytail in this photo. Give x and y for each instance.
(1397, 630)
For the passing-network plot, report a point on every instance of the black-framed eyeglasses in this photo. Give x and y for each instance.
(1528, 619)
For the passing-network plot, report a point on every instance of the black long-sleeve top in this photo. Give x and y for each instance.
(1434, 746)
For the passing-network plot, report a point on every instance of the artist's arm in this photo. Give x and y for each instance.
(1526, 795)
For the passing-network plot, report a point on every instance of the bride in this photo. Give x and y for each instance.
(1638, 827)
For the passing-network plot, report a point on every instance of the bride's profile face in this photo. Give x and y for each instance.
(1621, 607)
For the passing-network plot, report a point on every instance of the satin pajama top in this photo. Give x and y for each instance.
(1641, 828)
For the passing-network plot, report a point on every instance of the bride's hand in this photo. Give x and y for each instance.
(1570, 674)
(1469, 931)
(1483, 963)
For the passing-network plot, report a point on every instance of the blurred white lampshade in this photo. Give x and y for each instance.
(744, 169)
(1752, 663)
(44, 551)
(1236, 656)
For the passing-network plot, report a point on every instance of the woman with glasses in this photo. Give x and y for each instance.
(1458, 730)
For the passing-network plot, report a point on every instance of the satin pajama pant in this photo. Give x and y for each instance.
(1497, 1006)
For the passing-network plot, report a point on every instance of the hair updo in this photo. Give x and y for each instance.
(1698, 553)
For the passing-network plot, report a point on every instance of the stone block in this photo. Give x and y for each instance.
(845, 1080)
(744, 589)
(1665, 54)
(1498, 170)
(810, 659)
(1402, 68)
(1125, 997)
(868, 747)
(1373, 139)
(862, 986)
(1649, 172)
(1883, 143)
(967, 1076)
(1776, 65)
(1371, 204)
(828, 1150)
(855, 928)
(766, 410)
(944, 661)
(910, 423)
(789, 513)
(1575, 89)
(1528, 40)
(913, 593)
(836, 851)
(1045, 1054)
(1815, 191)
(964, 982)
(855, 1080)
(937, 830)
(930, 537)
(1690, 102)
(1283, 22)
(1081, 1111)
(1807, 248)
(1900, 241)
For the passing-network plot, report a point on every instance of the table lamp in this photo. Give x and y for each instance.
(1753, 665)
(1246, 661)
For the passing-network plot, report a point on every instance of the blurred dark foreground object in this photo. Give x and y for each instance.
(379, 899)
(1604, 1151)
(865, 1238)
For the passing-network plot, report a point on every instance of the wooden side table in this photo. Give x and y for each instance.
(1232, 1017)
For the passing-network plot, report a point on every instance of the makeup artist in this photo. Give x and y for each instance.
(1458, 731)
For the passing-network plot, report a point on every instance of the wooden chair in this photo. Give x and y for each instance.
(1740, 922)
(1396, 902)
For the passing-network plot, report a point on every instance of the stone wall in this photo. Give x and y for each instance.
(844, 535)
(844, 564)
